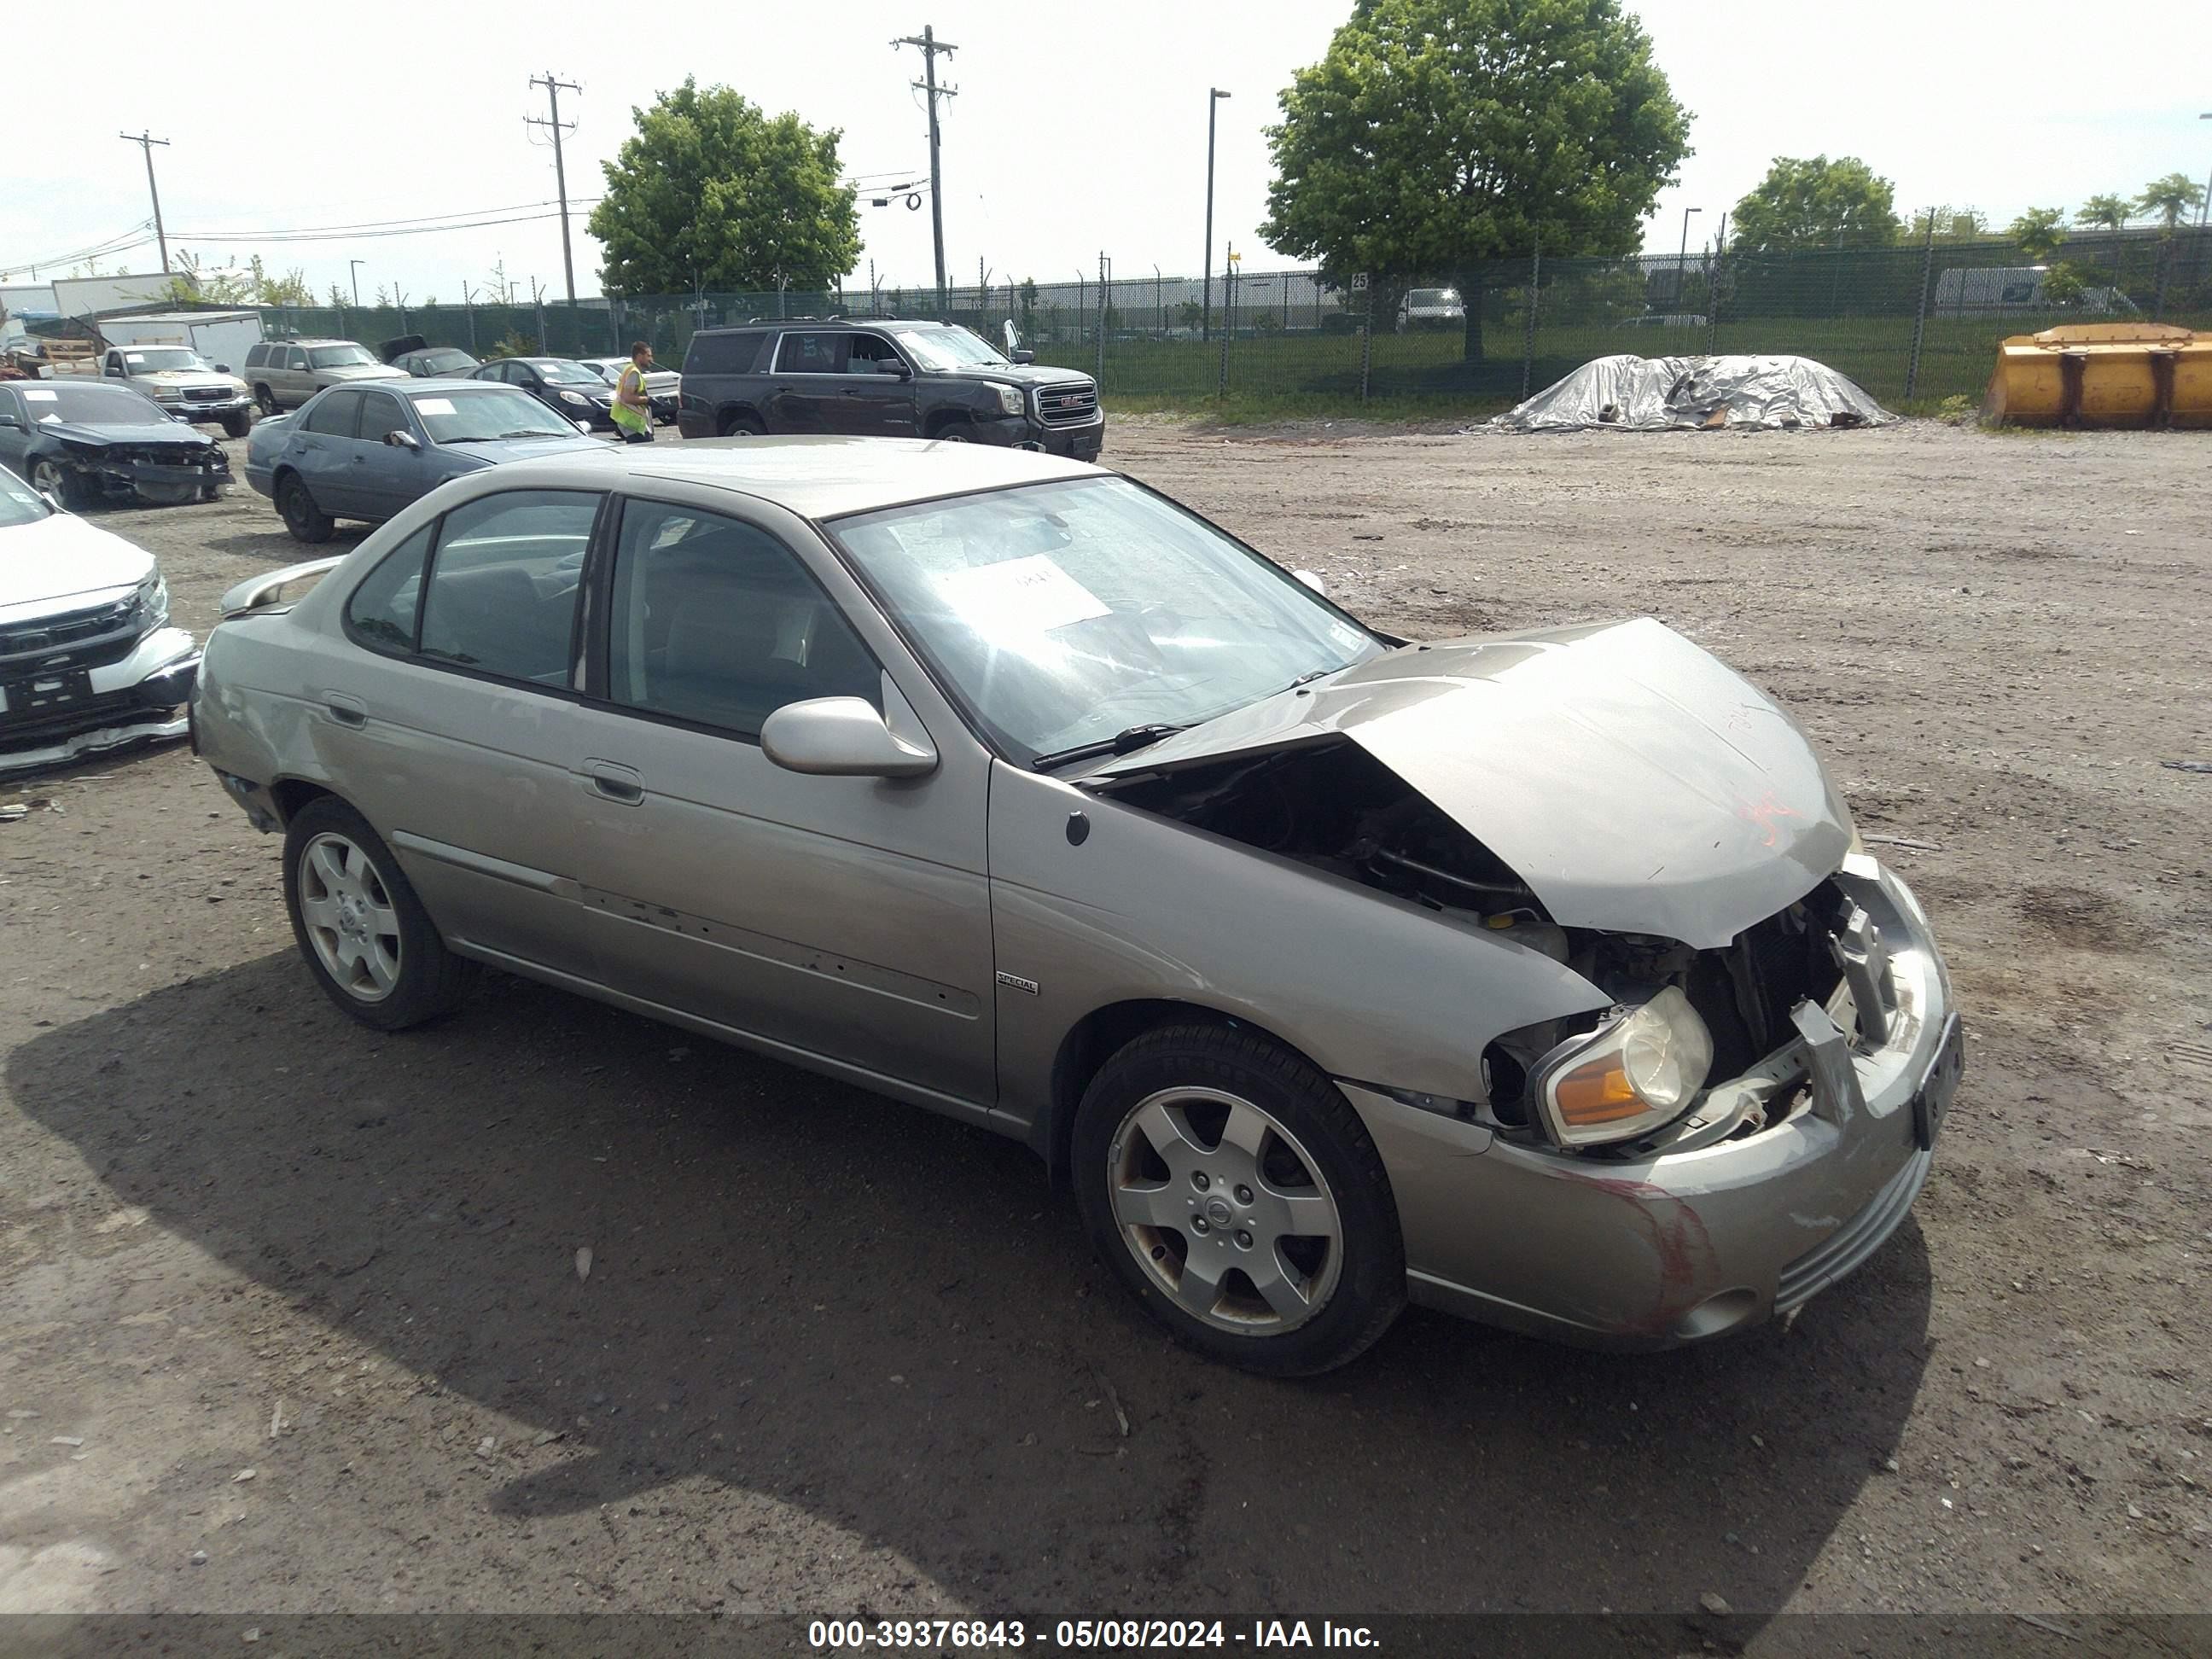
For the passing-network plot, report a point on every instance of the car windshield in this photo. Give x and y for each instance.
(19, 502)
(339, 357)
(1433, 297)
(565, 373)
(108, 405)
(947, 348)
(467, 417)
(452, 359)
(153, 360)
(1066, 614)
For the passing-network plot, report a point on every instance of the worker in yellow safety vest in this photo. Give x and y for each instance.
(633, 410)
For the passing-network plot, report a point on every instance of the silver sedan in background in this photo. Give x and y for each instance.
(1541, 978)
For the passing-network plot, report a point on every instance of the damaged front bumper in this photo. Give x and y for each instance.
(160, 476)
(54, 714)
(1678, 1246)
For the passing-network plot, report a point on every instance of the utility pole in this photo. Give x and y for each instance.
(353, 269)
(930, 45)
(554, 88)
(1214, 97)
(146, 141)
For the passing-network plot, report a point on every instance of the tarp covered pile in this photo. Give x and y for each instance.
(1659, 394)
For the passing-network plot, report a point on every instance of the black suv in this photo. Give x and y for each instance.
(883, 378)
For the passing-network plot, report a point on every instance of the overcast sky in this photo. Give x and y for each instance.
(1078, 127)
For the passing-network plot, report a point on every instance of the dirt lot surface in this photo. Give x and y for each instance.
(290, 1313)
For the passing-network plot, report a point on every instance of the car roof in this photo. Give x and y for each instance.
(820, 324)
(817, 478)
(422, 384)
(305, 340)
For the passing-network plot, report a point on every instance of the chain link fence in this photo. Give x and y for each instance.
(1915, 323)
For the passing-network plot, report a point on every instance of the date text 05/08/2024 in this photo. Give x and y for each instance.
(1103, 1635)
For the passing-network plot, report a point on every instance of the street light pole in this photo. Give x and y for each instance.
(146, 141)
(1682, 258)
(2204, 207)
(1214, 97)
(353, 269)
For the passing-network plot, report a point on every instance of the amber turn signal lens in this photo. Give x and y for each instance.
(1596, 1092)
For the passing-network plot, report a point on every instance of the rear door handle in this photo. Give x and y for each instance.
(344, 710)
(615, 783)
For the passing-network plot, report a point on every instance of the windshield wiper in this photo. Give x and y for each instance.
(1125, 741)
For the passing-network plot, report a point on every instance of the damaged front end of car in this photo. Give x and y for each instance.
(160, 474)
(92, 676)
(1741, 1106)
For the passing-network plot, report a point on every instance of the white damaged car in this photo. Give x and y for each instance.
(88, 658)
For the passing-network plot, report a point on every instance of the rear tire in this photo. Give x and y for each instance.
(264, 400)
(743, 426)
(366, 936)
(307, 522)
(1235, 1192)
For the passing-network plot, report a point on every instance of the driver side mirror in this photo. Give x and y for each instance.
(397, 439)
(222, 368)
(898, 369)
(1021, 354)
(841, 737)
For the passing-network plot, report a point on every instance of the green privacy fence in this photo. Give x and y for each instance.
(1919, 321)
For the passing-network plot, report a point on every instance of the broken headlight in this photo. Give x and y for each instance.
(1638, 1070)
(149, 606)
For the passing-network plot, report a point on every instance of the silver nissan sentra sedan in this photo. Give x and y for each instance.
(1540, 978)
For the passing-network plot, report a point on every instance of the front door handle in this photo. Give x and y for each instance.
(344, 710)
(615, 783)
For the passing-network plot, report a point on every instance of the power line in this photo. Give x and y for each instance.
(931, 46)
(123, 241)
(553, 89)
(237, 237)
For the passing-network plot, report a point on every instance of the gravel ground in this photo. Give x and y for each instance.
(291, 1321)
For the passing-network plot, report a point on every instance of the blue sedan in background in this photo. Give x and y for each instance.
(356, 452)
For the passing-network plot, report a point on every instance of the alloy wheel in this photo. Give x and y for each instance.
(350, 919)
(1227, 1213)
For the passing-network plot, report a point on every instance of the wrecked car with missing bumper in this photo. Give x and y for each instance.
(88, 658)
(87, 442)
(1541, 978)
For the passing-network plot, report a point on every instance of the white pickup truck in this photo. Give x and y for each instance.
(184, 383)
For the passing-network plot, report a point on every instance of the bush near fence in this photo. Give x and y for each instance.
(1169, 341)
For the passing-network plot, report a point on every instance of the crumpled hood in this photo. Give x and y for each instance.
(157, 429)
(64, 564)
(1636, 783)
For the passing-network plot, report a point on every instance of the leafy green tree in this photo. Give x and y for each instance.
(2038, 233)
(712, 193)
(2064, 284)
(2169, 197)
(1437, 134)
(2105, 212)
(1816, 202)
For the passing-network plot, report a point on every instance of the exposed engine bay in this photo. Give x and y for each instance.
(1333, 805)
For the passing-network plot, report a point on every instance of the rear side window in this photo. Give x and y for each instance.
(255, 356)
(501, 595)
(380, 613)
(811, 354)
(725, 351)
(334, 415)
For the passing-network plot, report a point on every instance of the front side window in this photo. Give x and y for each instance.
(295, 357)
(811, 354)
(501, 595)
(1065, 613)
(716, 622)
(380, 413)
(333, 414)
(380, 613)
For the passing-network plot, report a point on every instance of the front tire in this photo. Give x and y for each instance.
(1234, 1191)
(367, 939)
(50, 477)
(238, 422)
(955, 432)
(307, 522)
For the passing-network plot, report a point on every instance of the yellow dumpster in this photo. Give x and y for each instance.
(2102, 374)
